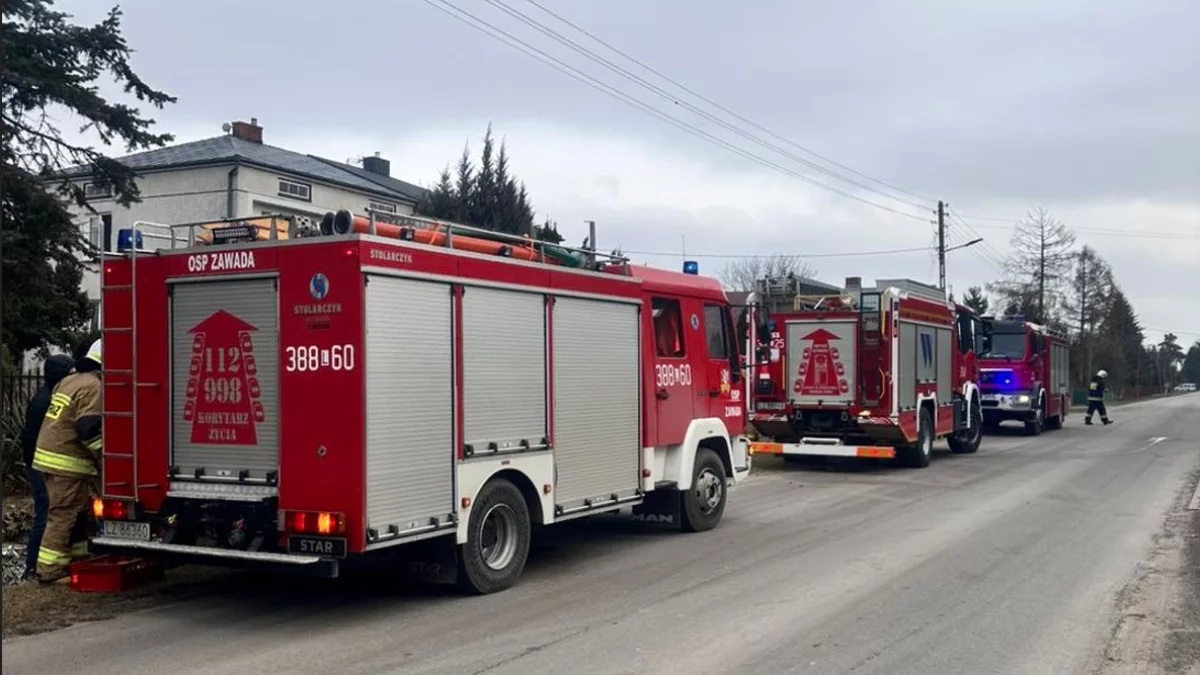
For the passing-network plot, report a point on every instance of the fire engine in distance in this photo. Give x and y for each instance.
(1025, 374)
(878, 372)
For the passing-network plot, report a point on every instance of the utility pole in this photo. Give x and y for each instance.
(941, 244)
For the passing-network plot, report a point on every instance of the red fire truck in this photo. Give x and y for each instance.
(1025, 374)
(414, 391)
(867, 372)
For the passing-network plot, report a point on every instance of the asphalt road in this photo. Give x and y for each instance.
(1007, 561)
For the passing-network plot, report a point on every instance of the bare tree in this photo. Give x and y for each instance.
(1038, 265)
(741, 275)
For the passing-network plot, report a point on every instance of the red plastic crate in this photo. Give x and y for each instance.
(113, 574)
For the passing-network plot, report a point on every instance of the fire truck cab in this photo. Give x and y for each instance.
(394, 388)
(1025, 374)
(877, 372)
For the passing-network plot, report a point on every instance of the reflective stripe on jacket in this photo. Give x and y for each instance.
(74, 412)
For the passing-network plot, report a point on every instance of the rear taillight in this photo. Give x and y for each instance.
(314, 522)
(112, 509)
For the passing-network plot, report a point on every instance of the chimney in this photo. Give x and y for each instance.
(248, 131)
(377, 165)
(853, 284)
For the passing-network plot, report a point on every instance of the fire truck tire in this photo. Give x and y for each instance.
(920, 454)
(498, 537)
(968, 441)
(704, 504)
(1036, 425)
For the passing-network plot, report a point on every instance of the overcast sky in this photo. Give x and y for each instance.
(1089, 108)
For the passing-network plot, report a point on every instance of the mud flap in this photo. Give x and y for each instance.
(661, 507)
(432, 561)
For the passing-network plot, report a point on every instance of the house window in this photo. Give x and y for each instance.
(295, 190)
(94, 191)
(382, 206)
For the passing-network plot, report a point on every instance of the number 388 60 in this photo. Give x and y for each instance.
(307, 358)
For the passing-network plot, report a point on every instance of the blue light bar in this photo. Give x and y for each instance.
(691, 267)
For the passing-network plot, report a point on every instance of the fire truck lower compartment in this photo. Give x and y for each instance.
(410, 406)
(504, 369)
(597, 404)
(225, 379)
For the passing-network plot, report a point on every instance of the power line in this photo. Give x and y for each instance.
(491, 31)
(671, 98)
(802, 256)
(722, 108)
(1102, 231)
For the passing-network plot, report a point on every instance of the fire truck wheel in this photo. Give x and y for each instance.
(704, 503)
(968, 440)
(1038, 423)
(498, 537)
(921, 453)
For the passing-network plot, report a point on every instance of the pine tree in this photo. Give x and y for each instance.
(464, 188)
(1191, 364)
(489, 196)
(50, 63)
(484, 199)
(1087, 304)
(976, 300)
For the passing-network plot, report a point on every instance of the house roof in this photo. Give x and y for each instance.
(226, 149)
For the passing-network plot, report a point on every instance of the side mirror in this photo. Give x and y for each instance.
(763, 324)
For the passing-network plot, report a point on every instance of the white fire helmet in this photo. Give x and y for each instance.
(1102, 374)
(95, 353)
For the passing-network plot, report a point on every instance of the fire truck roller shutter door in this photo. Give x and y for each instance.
(410, 403)
(945, 366)
(597, 380)
(906, 371)
(504, 368)
(225, 379)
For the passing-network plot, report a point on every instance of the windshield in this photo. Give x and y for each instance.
(1010, 345)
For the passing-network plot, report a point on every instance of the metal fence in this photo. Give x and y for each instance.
(16, 390)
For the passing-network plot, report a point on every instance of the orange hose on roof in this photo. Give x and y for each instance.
(432, 234)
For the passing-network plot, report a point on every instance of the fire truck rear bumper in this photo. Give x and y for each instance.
(202, 555)
(823, 449)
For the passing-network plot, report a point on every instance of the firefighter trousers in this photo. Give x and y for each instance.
(1096, 407)
(67, 526)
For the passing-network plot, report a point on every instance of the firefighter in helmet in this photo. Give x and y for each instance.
(1096, 398)
(68, 454)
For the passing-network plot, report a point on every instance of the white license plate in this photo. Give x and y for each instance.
(122, 529)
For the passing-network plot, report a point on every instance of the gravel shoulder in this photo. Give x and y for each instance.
(1156, 629)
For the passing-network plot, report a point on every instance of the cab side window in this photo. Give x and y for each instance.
(668, 328)
(716, 336)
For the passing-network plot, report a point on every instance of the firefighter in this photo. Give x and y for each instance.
(53, 371)
(1096, 398)
(68, 455)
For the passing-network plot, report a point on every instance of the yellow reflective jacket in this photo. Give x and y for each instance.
(69, 442)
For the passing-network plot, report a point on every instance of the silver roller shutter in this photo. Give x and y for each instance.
(410, 404)
(597, 385)
(225, 377)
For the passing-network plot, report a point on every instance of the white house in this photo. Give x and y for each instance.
(233, 176)
(237, 176)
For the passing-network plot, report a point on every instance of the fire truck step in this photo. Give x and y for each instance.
(113, 574)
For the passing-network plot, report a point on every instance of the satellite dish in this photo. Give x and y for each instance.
(226, 127)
